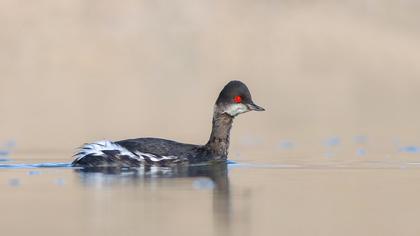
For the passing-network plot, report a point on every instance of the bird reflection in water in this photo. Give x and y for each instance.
(217, 173)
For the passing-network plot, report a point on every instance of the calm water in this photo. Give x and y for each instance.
(329, 196)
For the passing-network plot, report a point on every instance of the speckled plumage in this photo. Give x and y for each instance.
(162, 152)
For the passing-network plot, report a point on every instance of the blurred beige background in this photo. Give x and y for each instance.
(75, 71)
(79, 71)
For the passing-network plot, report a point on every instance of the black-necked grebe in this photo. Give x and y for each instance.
(234, 99)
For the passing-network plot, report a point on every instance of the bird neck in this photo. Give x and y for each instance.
(218, 142)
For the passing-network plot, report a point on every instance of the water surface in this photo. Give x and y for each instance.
(243, 198)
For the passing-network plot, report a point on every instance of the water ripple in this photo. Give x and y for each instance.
(38, 165)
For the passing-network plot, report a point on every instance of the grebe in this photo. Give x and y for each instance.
(234, 99)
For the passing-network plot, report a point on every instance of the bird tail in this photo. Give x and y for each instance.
(104, 153)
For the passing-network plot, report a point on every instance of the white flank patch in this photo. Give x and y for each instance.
(154, 158)
(97, 148)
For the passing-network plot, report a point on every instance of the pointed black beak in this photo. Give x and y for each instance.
(254, 107)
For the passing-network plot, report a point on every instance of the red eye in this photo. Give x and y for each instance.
(237, 99)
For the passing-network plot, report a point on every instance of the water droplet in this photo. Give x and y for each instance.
(360, 152)
(332, 142)
(410, 149)
(34, 172)
(203, 183)
(286, 144)
(14, 182)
